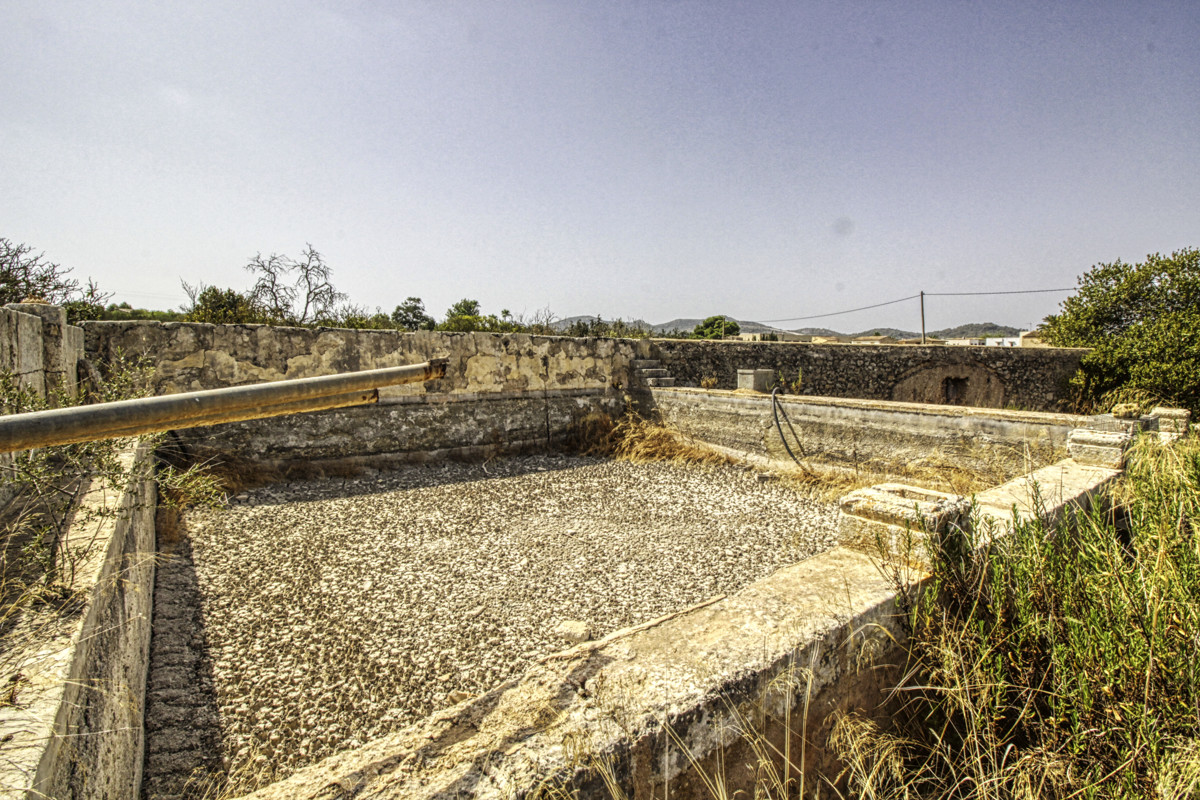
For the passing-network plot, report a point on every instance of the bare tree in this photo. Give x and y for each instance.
(294, 292)
(25, 275)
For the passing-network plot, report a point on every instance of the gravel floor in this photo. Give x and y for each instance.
(338, 610)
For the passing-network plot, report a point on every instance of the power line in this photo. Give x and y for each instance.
(914, 297)
(976, 294)
(838, 313)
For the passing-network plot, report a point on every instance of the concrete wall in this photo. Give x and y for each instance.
(21, 349)
(39, 347)
(994, 377)
(76, 730)
(866, 434)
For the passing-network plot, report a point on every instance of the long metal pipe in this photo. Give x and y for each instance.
(209, 407)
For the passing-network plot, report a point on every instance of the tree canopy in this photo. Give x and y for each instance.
(1142, 322)
(716, 328)
(410, 316)
(221, 306)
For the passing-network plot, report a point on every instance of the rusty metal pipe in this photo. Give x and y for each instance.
(209, 407)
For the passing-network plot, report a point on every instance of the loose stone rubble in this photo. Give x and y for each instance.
(339, 610)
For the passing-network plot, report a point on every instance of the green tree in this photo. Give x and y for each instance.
(716, 328)
(220, 306)
(410, 316)
(1142, 322)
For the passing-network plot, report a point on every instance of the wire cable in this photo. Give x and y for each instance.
(838, 313)
(914, 297)
(977, 294)
(776, 407)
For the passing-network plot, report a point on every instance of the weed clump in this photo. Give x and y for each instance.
(1058, 661)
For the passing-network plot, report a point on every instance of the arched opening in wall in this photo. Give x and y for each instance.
(954, 391)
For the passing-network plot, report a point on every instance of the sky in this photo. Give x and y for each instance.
(653, 160)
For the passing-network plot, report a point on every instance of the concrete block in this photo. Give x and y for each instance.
(755, 380)
(1114, 423)
(1099, 448)
(1172, 420)
(898, 519)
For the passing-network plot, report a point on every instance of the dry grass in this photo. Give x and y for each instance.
(638, 441)
(233, 474)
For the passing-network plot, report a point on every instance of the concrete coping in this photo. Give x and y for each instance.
(1172, 420)
(1103, 448)
(893, 522)
(1048, 492)
(901, 504)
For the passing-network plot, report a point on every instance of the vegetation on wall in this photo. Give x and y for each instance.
(1142, 322)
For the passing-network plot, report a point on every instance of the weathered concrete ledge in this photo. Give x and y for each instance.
(863, 433)
(1049, 493)
(895, 521)
(76, 728)
(826, 625)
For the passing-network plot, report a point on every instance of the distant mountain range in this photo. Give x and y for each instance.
(971, 330)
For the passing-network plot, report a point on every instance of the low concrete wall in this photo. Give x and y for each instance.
(863, 434)
(412, 428)
(76, 728)
(1033, 378)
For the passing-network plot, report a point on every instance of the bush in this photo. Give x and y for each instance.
(1056, 661)
(1142, 322)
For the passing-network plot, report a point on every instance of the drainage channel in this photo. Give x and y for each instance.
(305, 619)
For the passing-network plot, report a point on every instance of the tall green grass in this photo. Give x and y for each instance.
(1059, 661)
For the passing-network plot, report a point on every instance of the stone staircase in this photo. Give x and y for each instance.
(651, 373)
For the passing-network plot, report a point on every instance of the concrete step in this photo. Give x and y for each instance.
(660, 381)
(646, 363)
(652, 373)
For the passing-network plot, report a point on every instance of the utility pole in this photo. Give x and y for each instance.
(922, 317)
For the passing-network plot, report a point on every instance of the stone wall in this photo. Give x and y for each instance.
(1033, 378)
(501, 393)
(190, 356)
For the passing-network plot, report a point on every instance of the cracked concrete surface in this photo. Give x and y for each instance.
(328, 613)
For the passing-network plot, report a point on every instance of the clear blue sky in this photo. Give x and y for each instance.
(640, 159)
